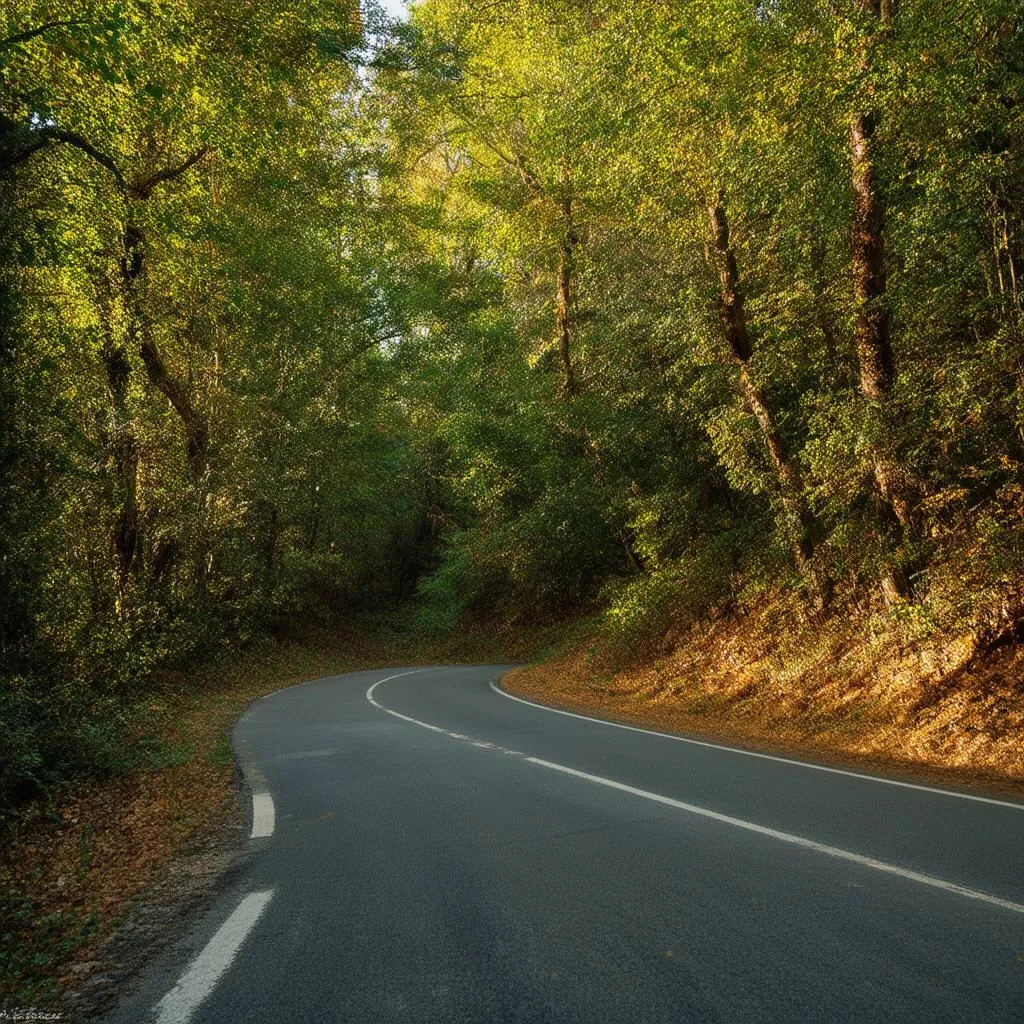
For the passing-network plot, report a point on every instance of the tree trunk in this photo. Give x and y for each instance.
(196, 430)
(566, 269)
(740, 344)
(122, 445)
(872, 328)
(125, 453)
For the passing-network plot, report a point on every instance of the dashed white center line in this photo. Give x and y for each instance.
(202, 975)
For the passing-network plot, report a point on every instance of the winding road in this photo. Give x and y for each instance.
(427, 848)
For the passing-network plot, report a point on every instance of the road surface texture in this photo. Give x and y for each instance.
(436, 851)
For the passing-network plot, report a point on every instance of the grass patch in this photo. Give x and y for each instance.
(222, 754)
(158, 753)
(34, 944)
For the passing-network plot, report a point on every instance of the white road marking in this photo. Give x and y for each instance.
(202, 975)
(301, 755)
(753, 753)
(415, 721)
(787, 837)
(262, 816)
(748, 826)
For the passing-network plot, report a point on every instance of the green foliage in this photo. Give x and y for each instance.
(223, 753)
(730, 565)
(54, 936)
(282, 337)
(202, 435)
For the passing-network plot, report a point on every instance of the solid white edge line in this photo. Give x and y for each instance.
(749, 826)
(787, 837)
(262, 816)
(202, 975)
(387, 679)
(753, 753)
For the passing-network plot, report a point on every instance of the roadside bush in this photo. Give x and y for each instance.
(641, 611)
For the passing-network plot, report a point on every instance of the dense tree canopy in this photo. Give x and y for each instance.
(529, 308)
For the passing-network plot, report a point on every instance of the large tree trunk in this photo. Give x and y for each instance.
(125, 455)
(872, 328)
(122, 446)
(741, 348)
(196, 431)
(566, 269)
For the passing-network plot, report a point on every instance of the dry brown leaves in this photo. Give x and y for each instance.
(843, 691)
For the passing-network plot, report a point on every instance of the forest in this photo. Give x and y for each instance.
(519, 312)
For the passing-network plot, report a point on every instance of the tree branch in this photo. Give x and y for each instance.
(41, 138)
(144, 189)
(197, 433)
(76, 140)
(24, 37)
(517, 163)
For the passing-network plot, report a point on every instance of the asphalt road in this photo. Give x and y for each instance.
(441, 853)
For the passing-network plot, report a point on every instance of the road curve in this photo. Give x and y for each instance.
(426, 849)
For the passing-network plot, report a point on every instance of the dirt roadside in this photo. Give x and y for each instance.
(843, 693)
